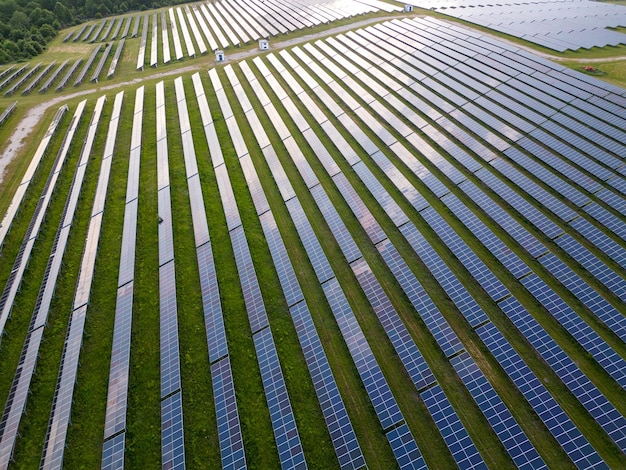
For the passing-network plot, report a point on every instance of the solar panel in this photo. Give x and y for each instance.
(54, 446)
(117, 395)
(229, 429)
(454, 433)
(116, 58)
(142, 44)
(234, 40)
(249, 283)
(60, 414)
(136, 25)
(118, 25)
(311, 244)
(340, 428)
(178, 49)
(221, 39)
(113, 453)
(600, 239)
(290, 450)
(172, 436)
(495, 245)
(404, 448)
(18, 394)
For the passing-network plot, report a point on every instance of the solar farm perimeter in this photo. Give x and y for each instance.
(399, 246)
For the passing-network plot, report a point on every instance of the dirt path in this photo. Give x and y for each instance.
(33, 117)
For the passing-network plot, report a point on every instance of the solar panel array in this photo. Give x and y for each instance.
(54, 446)
(340, 428)
(35, 81)
(283, 422)
(8, 78)
(117, 395)
(450, 199)
(16, 402)
(496, 291)
(228, 424)
(26, 79)
(231, 23)
(379, 392)
(399, 336)
(22, 79)
(557, 25)
(105, 30)
(172, 434)
(18, 197)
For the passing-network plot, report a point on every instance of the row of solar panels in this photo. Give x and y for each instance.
(6, 112)
(54, 446)
(117, 395)
(286, 434)
(556, 25)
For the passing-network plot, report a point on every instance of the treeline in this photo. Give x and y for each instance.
(26, 26)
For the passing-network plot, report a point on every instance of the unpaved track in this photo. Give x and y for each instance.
(33, 116)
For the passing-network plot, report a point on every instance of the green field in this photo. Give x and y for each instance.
(202, 446)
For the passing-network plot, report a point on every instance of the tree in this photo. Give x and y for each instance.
(48, 32)
(19, 21)
(62, 13)
(10, 48)
(7, 8)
